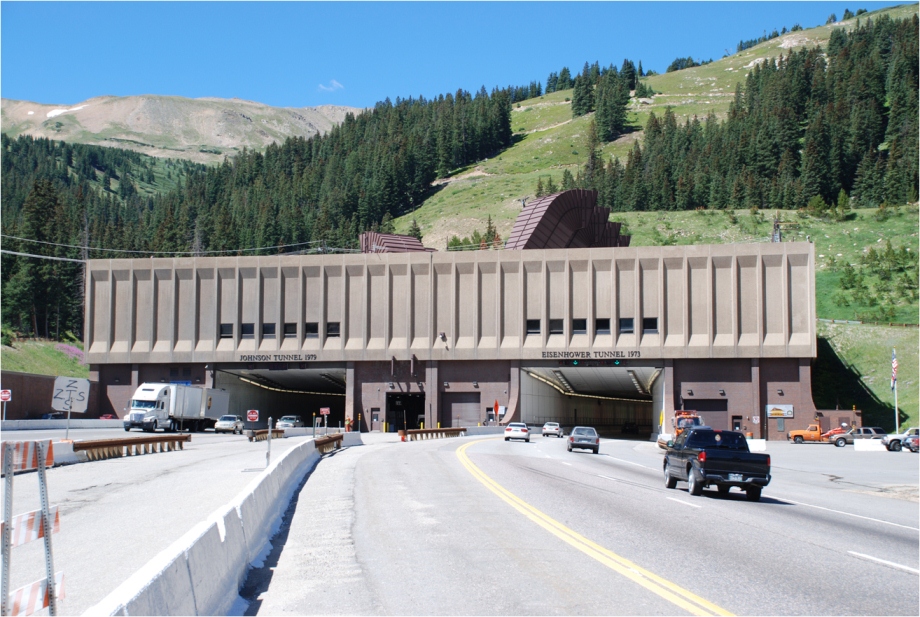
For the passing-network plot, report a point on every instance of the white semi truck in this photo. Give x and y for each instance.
(174, 407)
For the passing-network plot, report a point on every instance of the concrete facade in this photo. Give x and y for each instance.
(462, 327)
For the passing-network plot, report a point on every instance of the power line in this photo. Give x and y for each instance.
(91, 248)
(79, 261)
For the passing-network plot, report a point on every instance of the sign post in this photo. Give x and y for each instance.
(324, 411)
(268, 453)
(71, 394)
(6, 396)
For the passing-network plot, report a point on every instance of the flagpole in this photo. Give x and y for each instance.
(894, 380)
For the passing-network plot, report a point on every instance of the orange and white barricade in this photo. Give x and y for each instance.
(18, 456)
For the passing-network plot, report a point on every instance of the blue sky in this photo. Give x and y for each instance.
(353, 53)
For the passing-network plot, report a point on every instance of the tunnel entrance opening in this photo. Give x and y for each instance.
(617, 398)
(405, 411)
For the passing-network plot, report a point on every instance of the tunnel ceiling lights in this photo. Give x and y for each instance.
(594, 396)
(635, 380)
(261, 385)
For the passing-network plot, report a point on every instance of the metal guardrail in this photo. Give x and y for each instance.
(327, 444)
(100, 449)
(262, 434)
(434, 433)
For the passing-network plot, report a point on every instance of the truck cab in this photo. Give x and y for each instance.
(148, 410)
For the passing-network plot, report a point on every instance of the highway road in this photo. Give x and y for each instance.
(482, 526)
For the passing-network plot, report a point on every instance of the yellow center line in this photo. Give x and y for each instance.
(666, 589)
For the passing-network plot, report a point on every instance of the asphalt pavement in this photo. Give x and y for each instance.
(483, 526)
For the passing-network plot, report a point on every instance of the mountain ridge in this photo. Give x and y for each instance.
(204, 129)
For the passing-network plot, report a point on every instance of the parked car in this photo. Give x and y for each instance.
(54, 415)
(894, 441)
(229, 424)
(584, 438)
(517, 430)
(865, 432)
(552, 428)
(705, 456)
(912, 443)
(108, 416)
(289, 422)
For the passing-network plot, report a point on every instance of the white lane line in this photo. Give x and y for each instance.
(564, 463)
(692, 505)
(887, 563)
(868, 518)
(630, 462)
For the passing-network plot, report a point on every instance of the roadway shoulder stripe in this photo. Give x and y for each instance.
(675, 594)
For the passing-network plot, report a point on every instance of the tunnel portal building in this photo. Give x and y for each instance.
(614, 336)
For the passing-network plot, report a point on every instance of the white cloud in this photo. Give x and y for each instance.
(332, 87)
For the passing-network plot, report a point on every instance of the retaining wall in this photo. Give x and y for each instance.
(201, 573)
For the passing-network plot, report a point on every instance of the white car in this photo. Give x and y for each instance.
(517, 430)
(229, 424)
(289, 422)
(552, 428)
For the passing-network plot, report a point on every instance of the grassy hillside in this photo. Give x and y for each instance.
(44, 358)
(854, 368)
(548, 140)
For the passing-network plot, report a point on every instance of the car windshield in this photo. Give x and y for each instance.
(551, 424)
(136, 404)
(717, 439)
(289, 419)
(584, 431)
(227, 419)
(517, 425)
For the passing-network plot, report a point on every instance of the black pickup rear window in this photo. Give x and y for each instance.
(717, 439)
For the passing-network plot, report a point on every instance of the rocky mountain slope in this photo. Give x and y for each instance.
(203, 130)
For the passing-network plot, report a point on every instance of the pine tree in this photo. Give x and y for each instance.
(568, 181)
(415, 231)
(551, 188)
(540, 192)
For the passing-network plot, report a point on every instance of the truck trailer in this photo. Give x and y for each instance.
(174, 407)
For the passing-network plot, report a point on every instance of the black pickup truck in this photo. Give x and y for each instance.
(704, 457)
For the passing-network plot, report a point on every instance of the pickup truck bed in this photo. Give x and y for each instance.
(708, 457)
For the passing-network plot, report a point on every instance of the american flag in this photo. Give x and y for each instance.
(894, 370)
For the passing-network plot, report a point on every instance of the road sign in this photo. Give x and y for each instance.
(70, 394)
(324, 411)
(252, 415)
(6, 395)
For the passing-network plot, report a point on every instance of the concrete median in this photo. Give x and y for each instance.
(201, 572)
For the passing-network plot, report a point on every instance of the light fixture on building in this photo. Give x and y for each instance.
(780, 392)
(722, 392)
(421, 385)
(117, 380)
(446, 385)
(689, 392)
(392, 387)
(442, 336)
(475, 384)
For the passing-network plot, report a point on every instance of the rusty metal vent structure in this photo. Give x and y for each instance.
(373, 242)
(570, 219)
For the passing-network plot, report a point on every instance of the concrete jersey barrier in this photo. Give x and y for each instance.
(201, 573)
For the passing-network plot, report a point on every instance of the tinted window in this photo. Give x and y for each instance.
(290, 330)
(626, 325)
(555, 326)
(585, 431)
(268, 330)
(311, 329)
(226, 330)
(717, 439)
(332, 329)
(533, 326)
(602, 326)
(579, 326)
(247, 330)
(650, 325)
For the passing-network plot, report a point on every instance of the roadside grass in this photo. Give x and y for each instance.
(42, 357)
(854, 368)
